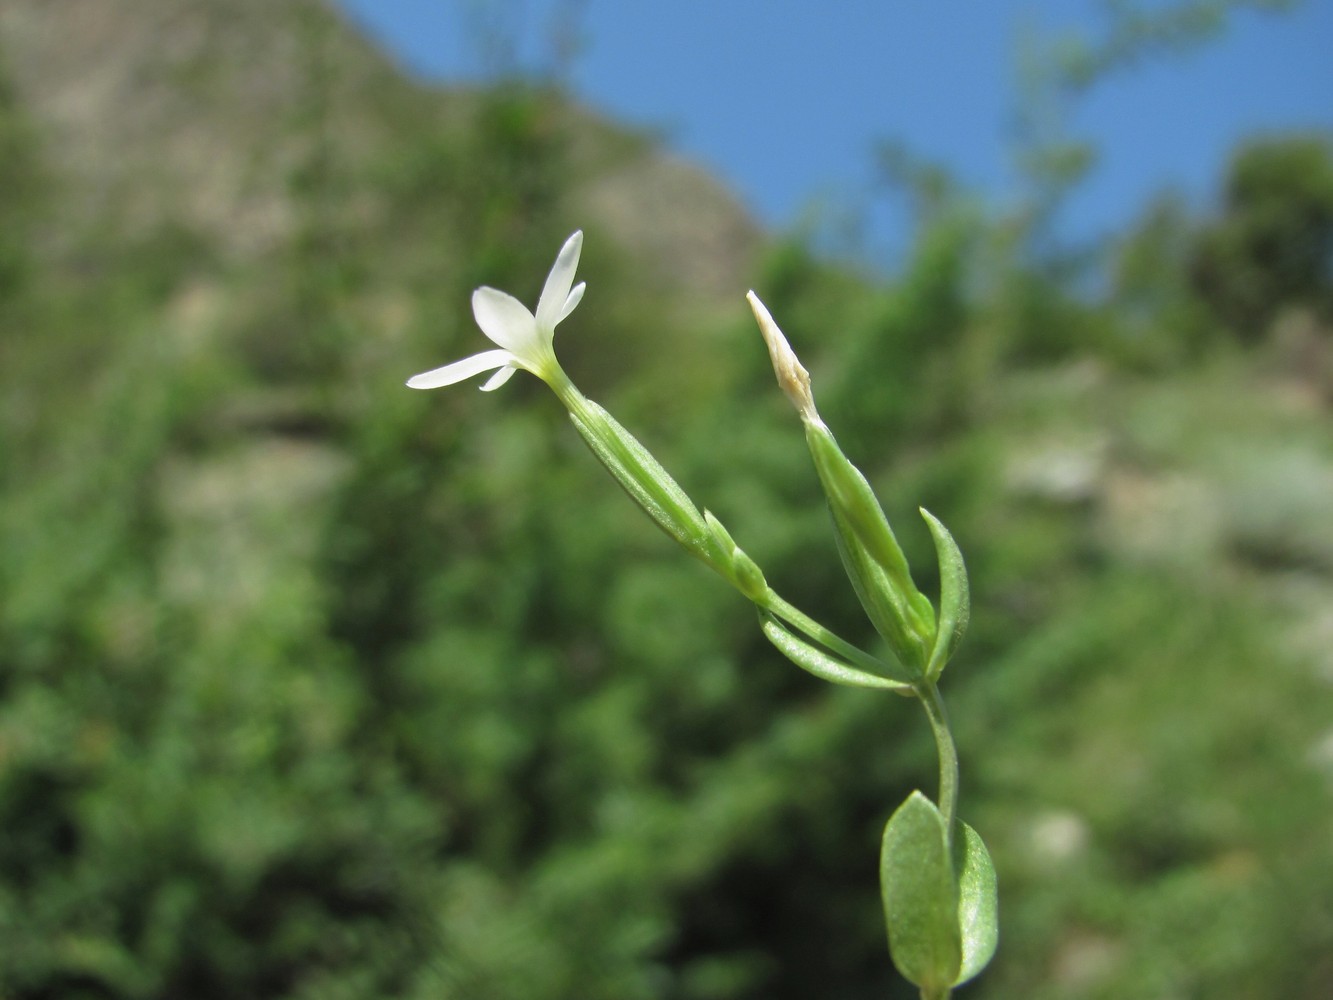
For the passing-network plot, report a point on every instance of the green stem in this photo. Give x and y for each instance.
(948, 754)
(929, 694)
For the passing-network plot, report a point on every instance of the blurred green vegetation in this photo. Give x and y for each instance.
(313, 687)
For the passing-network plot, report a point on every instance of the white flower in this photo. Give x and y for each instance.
(524, 340)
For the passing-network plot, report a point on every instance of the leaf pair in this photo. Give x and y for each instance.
(939, 897)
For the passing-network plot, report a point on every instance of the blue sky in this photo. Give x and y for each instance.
(785, 99)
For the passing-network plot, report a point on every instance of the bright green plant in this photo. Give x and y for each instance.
(937, 880)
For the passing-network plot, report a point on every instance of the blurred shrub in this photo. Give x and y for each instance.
(1272, 246)
(311, 687)
(1159, 321)
(22, 188)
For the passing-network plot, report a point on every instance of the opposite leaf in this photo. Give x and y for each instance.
(977, 907)
(955, 601)
(823, 665)
(921, 896)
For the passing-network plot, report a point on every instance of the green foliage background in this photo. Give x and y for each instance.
(311, 686)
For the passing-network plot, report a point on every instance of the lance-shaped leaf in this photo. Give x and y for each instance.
(921, 896)
(955, 602)
(822, 663)
(977, 902)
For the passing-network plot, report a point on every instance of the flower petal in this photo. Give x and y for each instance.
(459, 370)
(499, 378)
(575, 297)
(555, 294)
(505, 320)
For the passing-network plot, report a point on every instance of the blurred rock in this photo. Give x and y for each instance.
(1055, 838)
(1067, 472)
(1171, 517)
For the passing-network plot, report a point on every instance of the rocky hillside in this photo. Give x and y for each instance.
(204, 114)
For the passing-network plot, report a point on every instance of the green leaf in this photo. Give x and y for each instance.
(955, 600)
(822, 664)
(921, 896)
(977, 902)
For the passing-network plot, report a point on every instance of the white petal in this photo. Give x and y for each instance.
(505, 320)
(575, 297)
(459, 370)
(499, 378)
(551, 306)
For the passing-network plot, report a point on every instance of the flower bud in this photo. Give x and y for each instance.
(870, 552)
(792, 376)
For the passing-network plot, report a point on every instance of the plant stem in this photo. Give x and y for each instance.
(948, 754)
(948, 803)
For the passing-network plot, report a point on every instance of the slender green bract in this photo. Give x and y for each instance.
(955, 599)
(820, 662)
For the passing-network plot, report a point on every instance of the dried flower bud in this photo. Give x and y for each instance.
(792, 376)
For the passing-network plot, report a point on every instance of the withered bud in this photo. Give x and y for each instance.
(792, 376)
